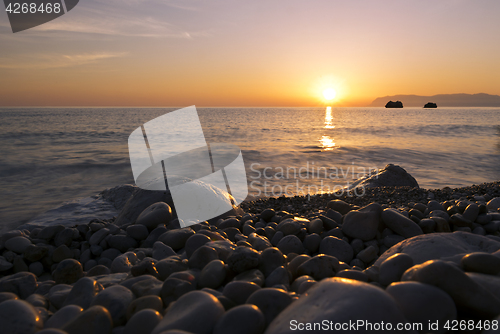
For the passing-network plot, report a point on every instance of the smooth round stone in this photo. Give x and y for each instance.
(337, 248)
(63, 316)
(368, 254)
(276, 238)
(156, 214)
(294, 262)
(339, 206)
(145, 302)
(176, 238)
(441, 245)
(489, 282)
(288, 226)
(61, 253)
(224, 248)
(267, 214)
(339, 300)
(394, 267)
(145, 267)
(22, 284)
(230, 222)
(173, 288)
(427, 225)
(441, 224)
(239, 291)
(316, 226)
(4, 264)
(194, 242)
(252, 275)
(481, 263)
(99, 236)
(95, 320)
(271, 258)
(68, 271)
(279, 276)
(319, 267)
(290, 244)
(243, 319)
(7, 296)
(123, 263)
(111, 253)
(259, 242)
(138, 232)
(17, 244)
(143, 322)
(213, 274)
(116, 299)
(471, 212)
(58, 293)
(243, 259)
(400, 224)
(467, 294)
(353, 274)
(38, 300)
(297, 282)
(98, 270)
(36, 268)
(162, 251)
(270, 301)
(121, 242)
(147, 287)
(35, 253)
(460, 221)
(494, 204)
(83, 292)
(311, 243)
(202, 256)
(195, 312)
(49, 232)
(433, 205)
(423, 303)
(170, 265)
(440, 214)
(19, 317)
(362, 225)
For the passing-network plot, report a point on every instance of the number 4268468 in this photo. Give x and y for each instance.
(33, 8)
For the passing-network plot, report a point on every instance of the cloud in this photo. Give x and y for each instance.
(48, 61)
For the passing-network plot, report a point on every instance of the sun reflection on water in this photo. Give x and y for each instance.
(327, 142)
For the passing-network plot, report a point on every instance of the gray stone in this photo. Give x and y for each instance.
(243, 259)
(4, 264)
(363, 224)
(272, 258)
(98, 271)
(68, 271)
(123, 263)
(35, 253)
(146, 302)
(339, 300)
(194, 242)
(353, 274)
(481, 263)
(162, 251)
(99, 236)
(252, 275)
(243, 319)
(423, 303)
(368, 254)
(122, 242)
(390, 176)
(471, 212)
(338, 248)
(138, 232)
(393, 268)
(38, 300)
(22, 284)
(156, 214)
(62, 253)
(290, 244)
(83, 292)
(170, 265)
(63, 316)
(176, 238)
(116, 300)
(339, 206)
(213, 274)
(58, 294)
(143, 322)
(270, 301)
(311, 243)
(202, 256)
(280, 276)
(95, 320)
(196, 312)
(174, 287)
(319, 267)
(7, 296)
(49, 232)
(36, 268)
(19, 317)
(111, 253)
(17, 244)
(494, 204)
(400, 224)
(239, 291)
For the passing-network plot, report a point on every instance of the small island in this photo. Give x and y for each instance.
(397, 104)
(430, 105)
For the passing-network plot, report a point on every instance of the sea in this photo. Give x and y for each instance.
(55, 161)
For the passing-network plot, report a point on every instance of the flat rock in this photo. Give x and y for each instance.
(95, 320)
(116, 300)
(18, 244)
(339, 300)
(400, 224)
(195, 312)
(441, 245)
(422, 303)
(243, 319)
(19, 317)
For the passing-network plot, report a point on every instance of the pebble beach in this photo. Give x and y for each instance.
(394, 258)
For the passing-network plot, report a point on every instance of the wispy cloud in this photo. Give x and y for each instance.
(48, 61)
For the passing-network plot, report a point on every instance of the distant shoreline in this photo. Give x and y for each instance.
(442, 100)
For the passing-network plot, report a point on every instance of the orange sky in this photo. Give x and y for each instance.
(250, 53)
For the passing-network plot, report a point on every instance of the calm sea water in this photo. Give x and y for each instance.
(53, 155)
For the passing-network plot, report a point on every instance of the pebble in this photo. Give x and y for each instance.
(494, 204)
(38, 300)
(145, 302)
(466, 293)
(156, 214)
(99, 236)
(353, 274)
(35, 253)
(337, 248)
(272, 258)
(471, 212)
(202, 256)
(19, 317)
(51, 331)
(147, 287)
(170, 265)
(311, 243)
(95, 320)
(17, 244)
(280, 276)
(63, 316)
(339, 206)
(213, 274)
(243, 259)
(290, 244)
(122, 242)
(239, 291)
(173, 288)
(116, 300)
(243, 319)
(22, 284)
(195, 312)
(176, 238)
(162, 251)
(68, 271)
(7, 296)
(393, 268)
(316, 226)
(58, 293)
(83, 292)
(111, 253)
(368, 254)
(400, 224)
(194, 242)
(362, 224)
(98, 271)
(62, 253)
(481, 263)
(423, 303)
(36, 268)
(4, 264)
(123, 263)
(319, 267)
(270, 301)
(143, 322)
(252, 275)
(138, 232)
(339, 300)
(49, 232)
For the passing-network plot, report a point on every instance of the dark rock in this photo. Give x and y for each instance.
(397, 104)
(430, 105)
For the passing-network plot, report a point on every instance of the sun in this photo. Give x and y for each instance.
(329, 94)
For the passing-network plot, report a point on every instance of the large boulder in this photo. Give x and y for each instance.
(390, 176)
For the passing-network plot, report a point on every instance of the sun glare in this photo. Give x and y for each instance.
(329, 94)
